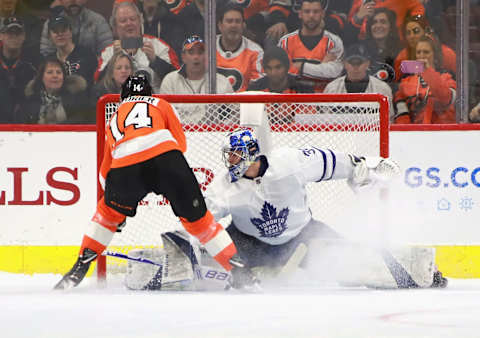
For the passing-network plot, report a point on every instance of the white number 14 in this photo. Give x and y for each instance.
(138, 117)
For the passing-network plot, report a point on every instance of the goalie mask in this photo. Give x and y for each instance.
(239, 152)
(136, 85)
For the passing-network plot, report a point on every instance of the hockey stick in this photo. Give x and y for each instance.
(123, 256)
(294, 261)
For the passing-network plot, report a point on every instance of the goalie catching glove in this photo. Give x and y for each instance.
(371, 170)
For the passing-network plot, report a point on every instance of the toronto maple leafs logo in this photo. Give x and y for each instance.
(271, 224)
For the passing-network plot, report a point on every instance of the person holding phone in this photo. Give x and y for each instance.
(146, 51)
(427, 95)
(413, 29)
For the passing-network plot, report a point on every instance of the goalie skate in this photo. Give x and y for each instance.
(78, 271)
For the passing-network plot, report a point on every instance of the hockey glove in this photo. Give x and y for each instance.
(368, 171)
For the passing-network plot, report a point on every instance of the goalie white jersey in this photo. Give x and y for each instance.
(273, 208)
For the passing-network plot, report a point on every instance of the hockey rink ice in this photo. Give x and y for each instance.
(29, 308)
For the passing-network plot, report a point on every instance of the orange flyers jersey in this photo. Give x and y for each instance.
(313, 68)
(142, 128)
(176, 6)
(426, 99)
(240, 66)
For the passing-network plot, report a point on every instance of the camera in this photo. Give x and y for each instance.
(132, 43)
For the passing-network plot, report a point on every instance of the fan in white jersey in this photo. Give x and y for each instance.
(267, 199)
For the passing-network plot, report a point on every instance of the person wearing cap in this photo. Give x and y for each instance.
(191, 78)
(77, 60)
(17, 67)
(32, 25)
(357, 80)
(146, 50)
(90, 29)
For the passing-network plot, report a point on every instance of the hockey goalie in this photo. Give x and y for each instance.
(263, 190)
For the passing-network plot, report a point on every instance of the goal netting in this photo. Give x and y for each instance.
(351, 123)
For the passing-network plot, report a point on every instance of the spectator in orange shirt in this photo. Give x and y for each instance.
(414, 28)
(427, 96)
(315, 53)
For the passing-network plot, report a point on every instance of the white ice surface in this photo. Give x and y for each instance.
(29, 308)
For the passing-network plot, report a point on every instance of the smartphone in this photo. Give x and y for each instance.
(132, 43)
(412, 67)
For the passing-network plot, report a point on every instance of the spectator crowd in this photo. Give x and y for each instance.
(59, 59)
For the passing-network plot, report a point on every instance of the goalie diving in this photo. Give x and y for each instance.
(263, 190)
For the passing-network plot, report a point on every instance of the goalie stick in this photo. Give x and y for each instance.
(123, 256)
(294, 261)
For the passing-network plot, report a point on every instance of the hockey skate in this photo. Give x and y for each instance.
(242, 277)
(438, 280)
(78, 272)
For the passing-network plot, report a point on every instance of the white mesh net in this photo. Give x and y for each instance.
(351, 127)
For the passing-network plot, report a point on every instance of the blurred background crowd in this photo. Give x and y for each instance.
(59, 56)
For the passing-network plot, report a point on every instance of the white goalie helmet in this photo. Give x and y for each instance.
(239, 144)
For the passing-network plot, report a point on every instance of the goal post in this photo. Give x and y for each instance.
(350, 123)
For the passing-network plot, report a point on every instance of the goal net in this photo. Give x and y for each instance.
(350, 123)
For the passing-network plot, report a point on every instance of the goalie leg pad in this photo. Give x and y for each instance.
(181, 265)
(174, 269)
(355, 264)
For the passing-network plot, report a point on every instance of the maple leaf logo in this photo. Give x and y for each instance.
(271, 224)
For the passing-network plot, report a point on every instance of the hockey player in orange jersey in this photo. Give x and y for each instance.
(144, 153)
